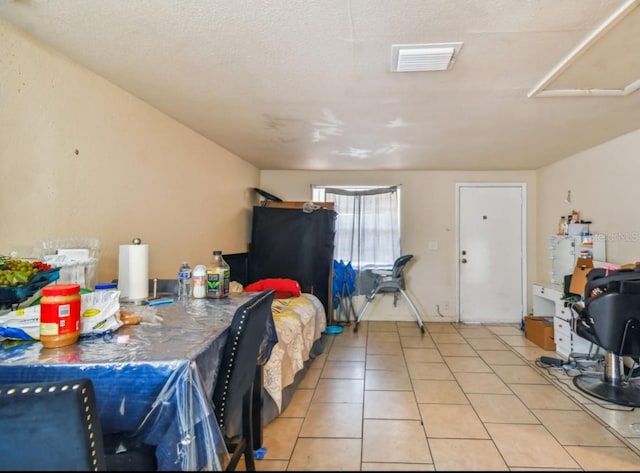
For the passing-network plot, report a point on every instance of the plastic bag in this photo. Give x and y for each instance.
(99, 314)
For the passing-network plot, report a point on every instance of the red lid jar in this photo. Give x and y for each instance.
(60, 315)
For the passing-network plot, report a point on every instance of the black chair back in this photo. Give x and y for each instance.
(233, 389)
(50, 426)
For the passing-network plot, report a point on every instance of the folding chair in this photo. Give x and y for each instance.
(390, 282)
(343, 288)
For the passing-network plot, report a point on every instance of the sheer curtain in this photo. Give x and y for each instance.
(367, 230)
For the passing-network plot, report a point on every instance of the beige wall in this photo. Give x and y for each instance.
(604, 187)
(428, 214)
(79, 157)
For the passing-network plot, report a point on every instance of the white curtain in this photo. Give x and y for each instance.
(367, 229)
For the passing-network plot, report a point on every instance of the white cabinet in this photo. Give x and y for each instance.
(548, 302)
(564, 250)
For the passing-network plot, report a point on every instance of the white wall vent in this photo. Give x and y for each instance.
(423, 57)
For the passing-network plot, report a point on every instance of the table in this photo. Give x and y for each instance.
(155, 379)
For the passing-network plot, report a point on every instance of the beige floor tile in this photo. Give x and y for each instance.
(422, 354)
(452, 421)
(279, 437)
(387, 380)
(310, 378)
(347, 354)
(576, 428)
(529, 446)
(382, 336)
(439, 327)
(390, 405)
(467, 364)
(333, 420)
(501, 408)
(606, 458)
(532, 352)
(349, 339)
(501, 357)
(438, 392)
(456, 349)
(368, 466)
(386, 362)
(343, 369)
(620, 418)
(417, 342)
(326, 454)
(319, 360)
(492, 343)
(474, 331)
(382, 326)
(339, 390)
(410, 329)
(394, 441)
(519, 374)
(384, 348)
(452, 337)
(518, 341)
(505, 329)
(481, 383)
(466, 455)
(418, 370)
(299, 403)
(543, 396)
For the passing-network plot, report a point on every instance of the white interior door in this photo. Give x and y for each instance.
(491, 253)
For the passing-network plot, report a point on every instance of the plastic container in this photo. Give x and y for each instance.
(218, 277)
(199, 281)
(60, 315)
(184, 281)
(77, 259)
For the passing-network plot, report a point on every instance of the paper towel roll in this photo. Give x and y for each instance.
(133, 272)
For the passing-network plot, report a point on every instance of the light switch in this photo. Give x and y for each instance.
(433, 244)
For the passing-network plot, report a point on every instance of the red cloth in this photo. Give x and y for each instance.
(284, 288)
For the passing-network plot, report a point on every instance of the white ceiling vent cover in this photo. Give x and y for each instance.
(423, 57)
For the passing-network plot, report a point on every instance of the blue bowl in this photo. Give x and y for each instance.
(10, 296)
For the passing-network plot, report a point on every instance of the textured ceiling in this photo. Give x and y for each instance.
(306, 84)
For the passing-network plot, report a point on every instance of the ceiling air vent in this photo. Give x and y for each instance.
(423, 57)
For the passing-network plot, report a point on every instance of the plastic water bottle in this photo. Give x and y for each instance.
(184, 281)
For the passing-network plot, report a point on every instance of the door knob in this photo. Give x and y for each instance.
(463, 260)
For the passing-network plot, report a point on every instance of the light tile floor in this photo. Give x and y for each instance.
(459, 397)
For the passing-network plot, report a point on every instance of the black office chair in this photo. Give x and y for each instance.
(232, 397)
(609, 317)
(391, 282)
(50, 426)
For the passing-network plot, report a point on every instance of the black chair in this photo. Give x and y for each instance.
(50, 426)
(609, 317)
(233, 392)
(54, 426)
(390, 282)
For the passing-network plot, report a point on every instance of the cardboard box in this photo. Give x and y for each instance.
(579, 276)
(540, 331)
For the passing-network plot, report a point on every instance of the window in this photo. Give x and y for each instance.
(367, 227)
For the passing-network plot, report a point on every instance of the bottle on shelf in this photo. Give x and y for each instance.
(562, 226)
(218, 277)
(184, 281)
(199, 281)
